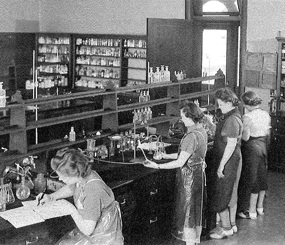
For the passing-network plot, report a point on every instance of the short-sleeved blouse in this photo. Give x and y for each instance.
(92, 197)
(231, 128)
(259, 122)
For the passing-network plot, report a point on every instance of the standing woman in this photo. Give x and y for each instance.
(226, 162)
(256, 126)
(190, 178)
(96, 213)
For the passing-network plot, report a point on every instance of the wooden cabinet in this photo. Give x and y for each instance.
(276, 156)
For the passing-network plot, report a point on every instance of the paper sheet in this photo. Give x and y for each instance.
(49, 210)
(22, 216)
(30, 213)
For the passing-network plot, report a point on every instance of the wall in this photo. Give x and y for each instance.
(19, 15)
(265, 19)
(105, 16)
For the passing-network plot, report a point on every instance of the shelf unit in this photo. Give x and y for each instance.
(53, 61)
(97, 61)
(19, 124)
(134, 61)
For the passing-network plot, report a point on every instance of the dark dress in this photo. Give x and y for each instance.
(190, 187)
(229, 125)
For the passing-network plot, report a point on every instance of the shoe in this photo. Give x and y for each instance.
(235, 229)
(222, 233)
(247, 215)
(216, 229)
(260, 211)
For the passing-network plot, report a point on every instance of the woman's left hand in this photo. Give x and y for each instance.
(220, 172)
(150, 164)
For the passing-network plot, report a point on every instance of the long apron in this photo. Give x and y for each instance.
(190, 196)
(108, 230)
(223, 188)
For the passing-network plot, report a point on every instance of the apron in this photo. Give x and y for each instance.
(190, 194)
(223, 187)
(108, 230)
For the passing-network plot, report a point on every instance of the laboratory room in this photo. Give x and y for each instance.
(126, 122)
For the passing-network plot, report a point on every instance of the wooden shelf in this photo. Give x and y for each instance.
(11, 129)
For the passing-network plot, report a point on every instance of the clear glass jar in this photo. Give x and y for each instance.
(40, 183)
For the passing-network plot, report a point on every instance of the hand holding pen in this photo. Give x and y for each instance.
(43, 198)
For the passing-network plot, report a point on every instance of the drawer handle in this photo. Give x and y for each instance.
(153, 192)
(153, 220)
(124, 202)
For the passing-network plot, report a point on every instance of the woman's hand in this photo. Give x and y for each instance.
(150, 164)
(220, 172)
(164, 155)
(44, 198)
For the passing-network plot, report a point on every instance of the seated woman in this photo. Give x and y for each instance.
(96, 213)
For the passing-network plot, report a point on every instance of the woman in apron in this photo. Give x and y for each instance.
(256, 126)
(190, 178)
(96, 213)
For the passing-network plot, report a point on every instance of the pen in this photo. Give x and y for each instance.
(40, 199)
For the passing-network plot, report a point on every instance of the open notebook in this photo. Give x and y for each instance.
(30, 213)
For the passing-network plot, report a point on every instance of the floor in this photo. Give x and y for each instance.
(266, 230)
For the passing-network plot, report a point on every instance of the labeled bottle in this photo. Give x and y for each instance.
(2, 95)
(40, 183)
(72, 134)
(150, 75)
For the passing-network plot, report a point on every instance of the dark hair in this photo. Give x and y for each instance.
(227, 95)
(192, 111)
(71, 163)
(250, 98)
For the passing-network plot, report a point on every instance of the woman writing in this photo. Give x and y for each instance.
(190, 179)
(226, 162)
(256, 125)
(96, 213)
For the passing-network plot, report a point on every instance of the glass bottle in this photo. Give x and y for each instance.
(23, 192)
(40, 183)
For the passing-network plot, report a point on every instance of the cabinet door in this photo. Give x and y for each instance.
(170, 43)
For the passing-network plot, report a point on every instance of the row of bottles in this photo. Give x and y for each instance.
(52, 58)
(160, 75)
(61, 69)
(96, 72)
(113, 52)
(135, 43)
(142, 115)
(144, 96)
(135, 83)
(96, 84)
(134, 54)
(180, 75)
(98, 42)
(53, 49)
(98, 61)
(53, 40)
(48, 82)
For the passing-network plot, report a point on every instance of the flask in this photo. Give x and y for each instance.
(72, 134)
(23, 192)
(2, 95)
(40, 183)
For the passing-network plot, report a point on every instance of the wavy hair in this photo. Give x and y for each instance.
(227, 95)
(192, 111)
(251, 98)
(71, 163)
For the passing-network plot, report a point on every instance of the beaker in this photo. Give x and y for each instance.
(91, 144)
